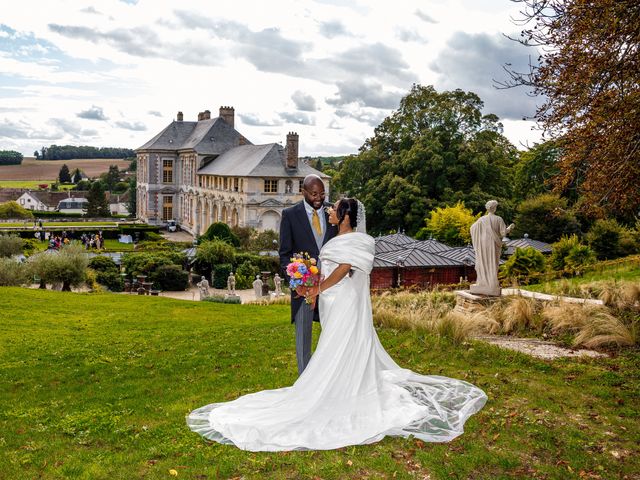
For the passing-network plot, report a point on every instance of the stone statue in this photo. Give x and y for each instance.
(277, 281)
(203, 286)
(231, 284)
(486, 235)
(257, 287)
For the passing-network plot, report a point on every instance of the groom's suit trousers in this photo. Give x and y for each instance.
(304, 334)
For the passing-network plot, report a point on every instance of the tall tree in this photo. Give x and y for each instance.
(112, 177)
(64, 176)
(133, 201)
(97, 205)
(589, 76)
(435, 150)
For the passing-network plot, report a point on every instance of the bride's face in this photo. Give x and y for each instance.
(333, 215)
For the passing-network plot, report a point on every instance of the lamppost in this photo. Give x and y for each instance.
(467, 263)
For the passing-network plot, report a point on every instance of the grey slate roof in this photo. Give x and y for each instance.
(383, 246)
(415, 257)
(460, 254)
(396, 238)
(524, 243)
(256, 161)
(207, 137)
(431, 245)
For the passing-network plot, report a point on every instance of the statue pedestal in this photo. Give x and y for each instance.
(467, 302)
(231, 295)
(476, 289)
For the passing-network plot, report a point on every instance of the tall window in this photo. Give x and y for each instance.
(167, 207)
(271, 186)
(300, 186)
(236, 184)
(167, 171)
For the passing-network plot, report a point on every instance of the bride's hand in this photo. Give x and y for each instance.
(302, 291)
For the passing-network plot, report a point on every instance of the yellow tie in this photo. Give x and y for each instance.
(315, 221)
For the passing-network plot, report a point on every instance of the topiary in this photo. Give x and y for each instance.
(221, 231)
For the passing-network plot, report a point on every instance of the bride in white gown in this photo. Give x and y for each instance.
(352, 392)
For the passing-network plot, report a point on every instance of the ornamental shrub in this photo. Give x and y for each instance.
(110, 279)
(604, 238)
(12, 273)
(10, 245)
(170, 277)
(220, 274)
(245, 275)
(221, 231)
(523, 266)
(103, 264)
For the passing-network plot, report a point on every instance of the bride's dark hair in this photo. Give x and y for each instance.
(348, 206)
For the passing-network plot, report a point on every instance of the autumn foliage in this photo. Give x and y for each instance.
(589, 76)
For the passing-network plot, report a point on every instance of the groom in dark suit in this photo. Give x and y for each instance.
(305, 228)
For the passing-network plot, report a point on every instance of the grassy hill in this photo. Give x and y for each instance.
(96, 386)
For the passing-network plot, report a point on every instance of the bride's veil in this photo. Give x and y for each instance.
(361, 218)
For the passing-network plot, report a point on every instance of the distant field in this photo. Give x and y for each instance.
(32, 184)
(43, 171)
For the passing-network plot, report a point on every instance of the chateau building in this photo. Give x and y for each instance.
(206, 171)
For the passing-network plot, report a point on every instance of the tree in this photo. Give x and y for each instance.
(67, 266)
(450, 225)
(221, 231)
(435, 147)
(536, 170)
(97, 201)
(213, 252)
(13, 210)
(10, 157)
(589, 79)
(133, 201)
(76, 176)
(10, 245)
(546, 218)
(64, 176)
(112, 177)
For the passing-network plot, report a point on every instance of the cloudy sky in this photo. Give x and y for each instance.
(115, 72)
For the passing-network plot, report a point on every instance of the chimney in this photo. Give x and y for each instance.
(206, 115)
(227, 114)
(292, 150)
(242, 140)
(200, 115)
(179, 117)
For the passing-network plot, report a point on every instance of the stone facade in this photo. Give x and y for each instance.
(203, 172)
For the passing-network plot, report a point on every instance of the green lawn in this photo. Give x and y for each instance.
(32, 184)
(96, 386)
(628, 270)
(79, 223)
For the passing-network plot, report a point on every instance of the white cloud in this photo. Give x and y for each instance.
(151, 57)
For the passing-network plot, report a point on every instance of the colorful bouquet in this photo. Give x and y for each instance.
(303, 272)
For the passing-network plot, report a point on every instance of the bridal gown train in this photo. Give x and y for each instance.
(352, 392)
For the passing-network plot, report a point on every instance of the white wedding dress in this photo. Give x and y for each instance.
(352, 392)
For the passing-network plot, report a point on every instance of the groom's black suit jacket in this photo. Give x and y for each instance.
(296, 236)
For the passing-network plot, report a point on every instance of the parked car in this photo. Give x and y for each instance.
(172, 225)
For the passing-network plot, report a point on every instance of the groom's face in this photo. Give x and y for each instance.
(314, 194)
